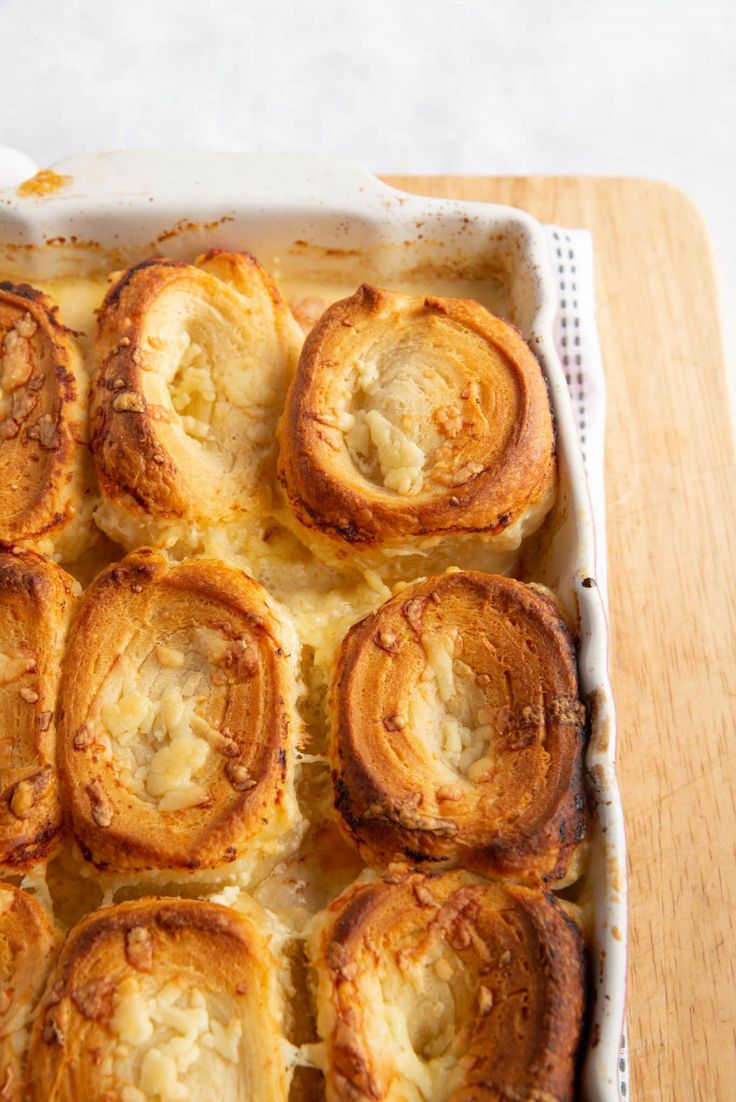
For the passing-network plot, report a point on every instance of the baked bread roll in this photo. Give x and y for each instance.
(36, 599)
(27, 946)
(457, 731)
(447, 986)
(170, 1000)
(192, 366)
(415, 418)
(44, 491)
(179, 725)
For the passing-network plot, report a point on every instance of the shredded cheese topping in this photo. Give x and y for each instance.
(153, 718)
(173, 1027)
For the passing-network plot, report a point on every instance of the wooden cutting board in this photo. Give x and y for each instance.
(671, 496)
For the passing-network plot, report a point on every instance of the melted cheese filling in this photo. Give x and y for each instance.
(386, 414)
(410, 1013)
(193, 391)
(13, 666)
(158, 733)
(447, 711)
(400, 459)
(168, 1032)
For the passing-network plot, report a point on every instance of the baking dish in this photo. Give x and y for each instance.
(316, 221)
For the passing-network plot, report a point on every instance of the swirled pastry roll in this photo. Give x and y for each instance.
(27, 945)
(178, 730)
(168, 1000)
(44, 492)
(450, 987)
(192, 365)
(413, 418)
(36, 598)
(457, 731)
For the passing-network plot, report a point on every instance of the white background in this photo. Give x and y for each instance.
(630, 88)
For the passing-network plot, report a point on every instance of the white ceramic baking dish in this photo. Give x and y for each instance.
(323, 220)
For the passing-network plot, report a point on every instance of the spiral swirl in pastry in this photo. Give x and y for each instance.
(414, 418)
(35, 604)
(447, 986)
(27, 945)
(192, 362)
(44, 499)
(457, 732)
(178, 730)
(168, 1000)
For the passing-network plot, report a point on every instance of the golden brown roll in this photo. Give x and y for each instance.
(414, 418)
(44, 492)
(192, 364)
(447, 986)
(178, 728)
(27, 945)
(457, 732)
(36, 598)
(169, 1000)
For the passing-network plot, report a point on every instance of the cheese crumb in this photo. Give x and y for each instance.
(443, 969)
(439, 650)
(169, 657)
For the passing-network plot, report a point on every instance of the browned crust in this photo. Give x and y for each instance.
(36, 599)
(393, 815)
(488, 501)
(27, 947)
(523, 961)
(230, 268)
(141, 592)
(184, 936)
(124, 442)
(89, 936)
(134, 468)
(53, 461)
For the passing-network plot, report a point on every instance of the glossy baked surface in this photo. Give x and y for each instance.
(27, 947)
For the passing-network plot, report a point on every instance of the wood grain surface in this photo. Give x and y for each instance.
(671, 493)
